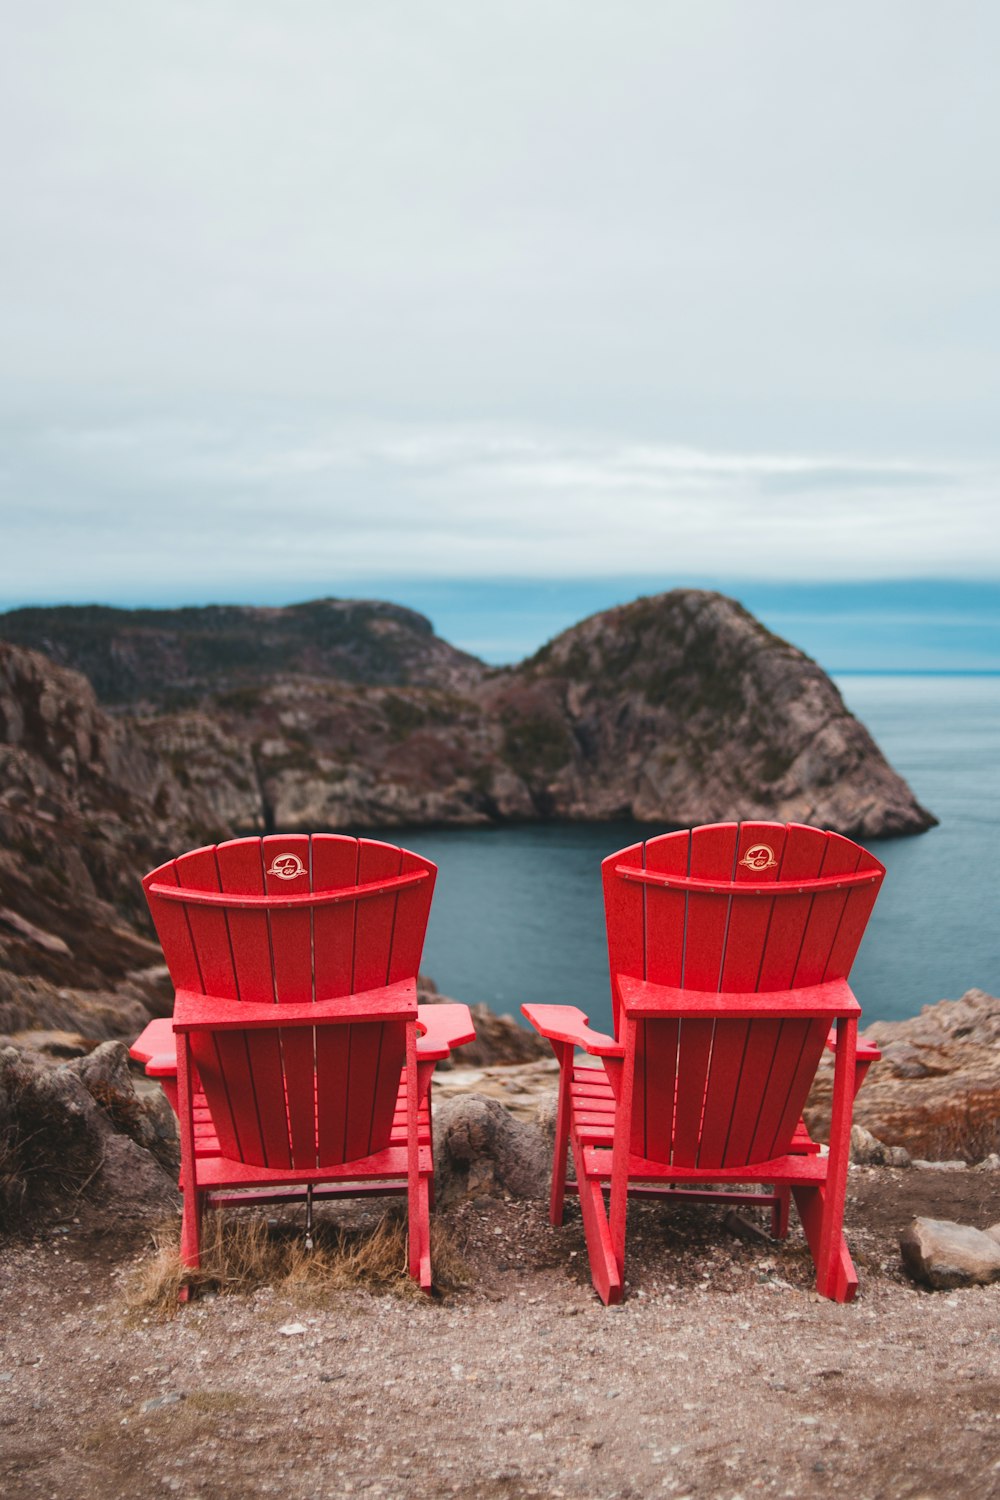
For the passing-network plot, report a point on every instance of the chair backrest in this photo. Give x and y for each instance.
(731, 908)
(296, 919)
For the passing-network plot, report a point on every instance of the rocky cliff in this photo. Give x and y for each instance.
(675, 709)
(86, 807)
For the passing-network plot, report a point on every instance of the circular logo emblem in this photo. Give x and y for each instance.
(287, 866)
(759, 857)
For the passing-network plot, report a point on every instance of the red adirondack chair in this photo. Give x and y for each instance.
(729, 949)
(298, 1061)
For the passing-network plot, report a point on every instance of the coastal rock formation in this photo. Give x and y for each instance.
(676, 709)
(684, 709)
(85, 809)
(936, 1090)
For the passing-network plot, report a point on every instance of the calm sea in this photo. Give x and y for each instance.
(517, 913)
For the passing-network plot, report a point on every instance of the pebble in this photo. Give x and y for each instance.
(290, 1329)
(171, 1398)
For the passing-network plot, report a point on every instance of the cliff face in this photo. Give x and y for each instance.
(684, 709)
(85, 809)
(676, 709)
(172, 658)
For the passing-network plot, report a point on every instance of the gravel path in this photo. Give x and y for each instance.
(722, 1375)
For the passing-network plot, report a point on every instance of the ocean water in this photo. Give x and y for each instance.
(518, 916)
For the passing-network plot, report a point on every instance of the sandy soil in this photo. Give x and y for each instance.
(722, 1375)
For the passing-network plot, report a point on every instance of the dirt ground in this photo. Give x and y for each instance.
(722, 1375)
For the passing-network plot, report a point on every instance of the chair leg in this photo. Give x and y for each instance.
(779, 1213)
(191, 1229)
(603, 1264)
(557, 1197)
(418, 1206)
(837, 1280)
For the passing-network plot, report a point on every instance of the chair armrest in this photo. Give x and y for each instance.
(443, 1027)
(391, 1002)
(867, 1051)
(568, 1024)
(156, 1047)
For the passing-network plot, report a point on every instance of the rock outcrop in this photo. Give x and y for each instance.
(936, 1090)
(81, 1130)
(85, 809)
(676, 709)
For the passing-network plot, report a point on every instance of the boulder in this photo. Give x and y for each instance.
(79, 1131)
(868, 1151)
(942, 1254)
(936, 1090)
(481, 1149)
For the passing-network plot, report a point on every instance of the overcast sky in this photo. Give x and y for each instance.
(297, 297)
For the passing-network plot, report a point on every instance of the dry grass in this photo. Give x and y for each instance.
(46, 1149)
(241, 1253)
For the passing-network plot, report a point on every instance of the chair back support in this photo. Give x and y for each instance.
(296, 919)
(731, 908)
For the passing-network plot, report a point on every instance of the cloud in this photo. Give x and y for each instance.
(161, 504)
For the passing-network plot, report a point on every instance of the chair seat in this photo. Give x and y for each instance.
(206, 1142)
(593, 1104)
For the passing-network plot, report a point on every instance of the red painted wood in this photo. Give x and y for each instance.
(208, 925)
(413, 906)
(298, 958)
(624, 910)
(832, 999)
(173, 930)
(375, 918)
(840, 857)
(656, 1045)
(802, 859)
(241, 872)
(194, 897)
(728, 963)
(291, 929)
(798, 1086)
(334, 865)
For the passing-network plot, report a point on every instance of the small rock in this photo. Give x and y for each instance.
(743, 1229)
(939, 1166)
(290, 1329)
(171, 1398)
(989, 1163)
(943, 1254)
(868, 1151)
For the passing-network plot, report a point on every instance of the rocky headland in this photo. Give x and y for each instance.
(676, 709)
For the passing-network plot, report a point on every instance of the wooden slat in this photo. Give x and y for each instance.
(334, 863)
(756, 1079)
(392, 1055)
(291, 928)
(173, 930)
(298, 1047)
(713, 853)
(209, 1066)
(366, 1041)
(413, 907)
(841, 856)
(375, 919)
(799, 1084)
(239, 866)
(656, 1056)
(240, 871)
(802, 858)
(854, 917)
(728, 1047)
(624, 913)
(333, 1053)
(209, 928)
